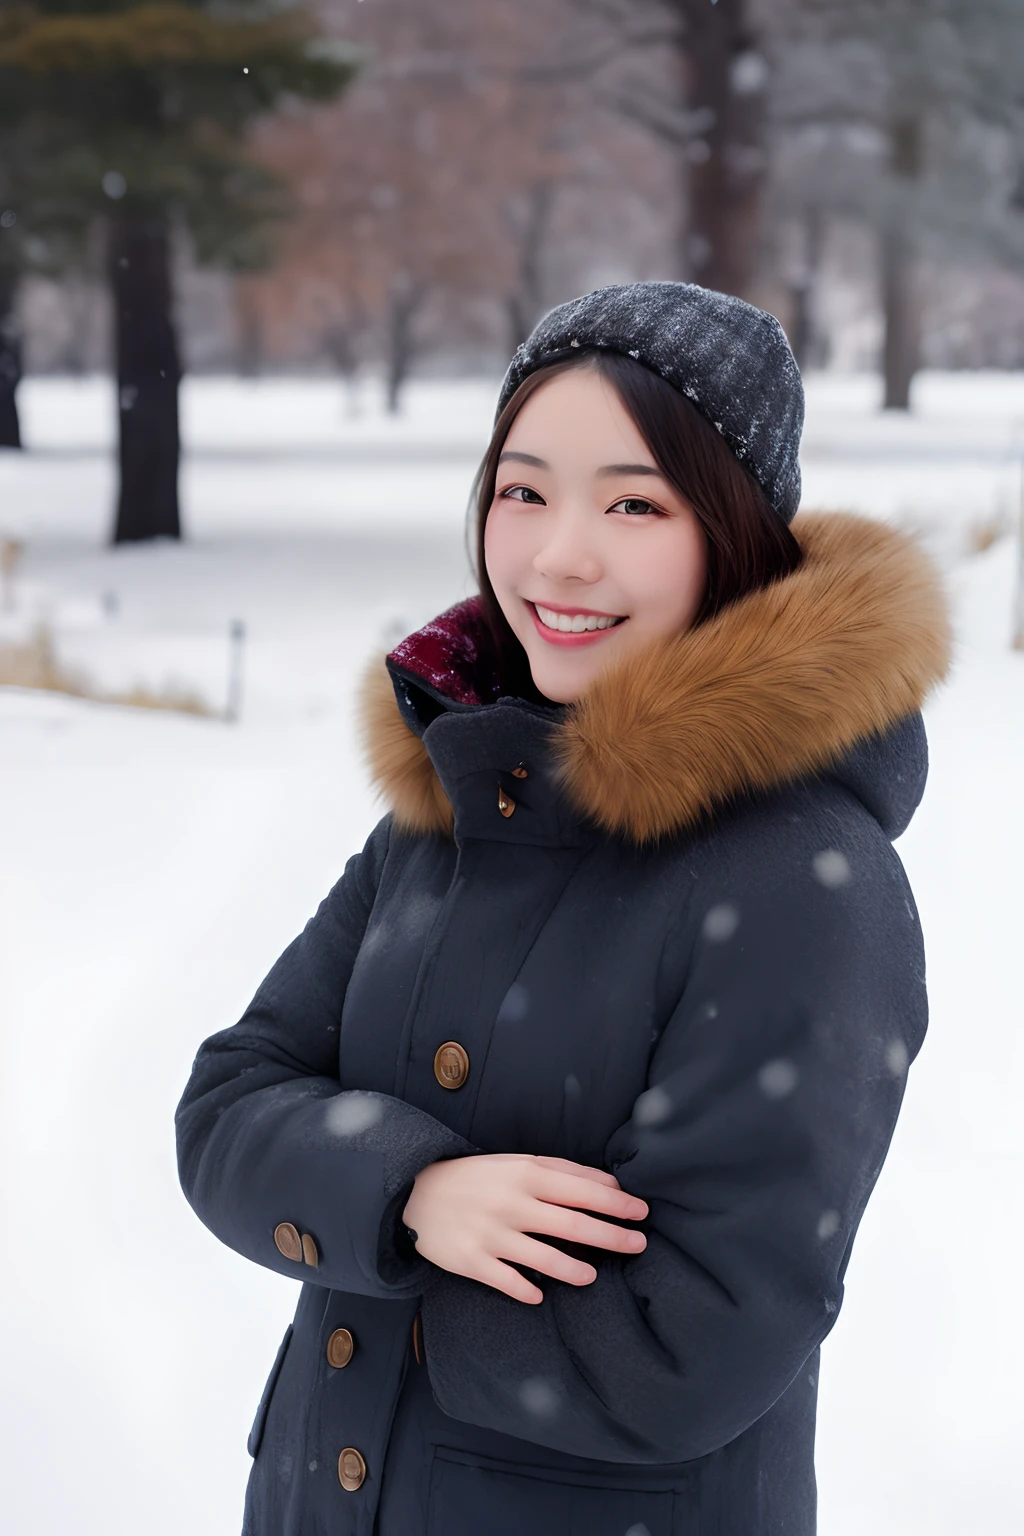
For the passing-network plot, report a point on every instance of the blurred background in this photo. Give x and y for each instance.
(262, 268)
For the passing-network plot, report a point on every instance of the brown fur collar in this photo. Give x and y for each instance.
(778, 685)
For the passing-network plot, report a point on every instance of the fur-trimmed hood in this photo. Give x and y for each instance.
(794, 679)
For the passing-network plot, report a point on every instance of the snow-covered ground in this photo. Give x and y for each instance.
(154, 865)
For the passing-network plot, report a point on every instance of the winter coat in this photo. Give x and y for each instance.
(661, 931)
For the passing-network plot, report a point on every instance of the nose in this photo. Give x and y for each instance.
(567, 553)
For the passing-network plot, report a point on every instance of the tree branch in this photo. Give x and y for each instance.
(617, 13)
(671, 124)
(570, 66)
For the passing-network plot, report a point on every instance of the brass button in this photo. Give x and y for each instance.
(519, 773)
(451, 1064)
(288, 1241)
(351, 1468)
(309, 1252)
(339, 1348)
(506, 805)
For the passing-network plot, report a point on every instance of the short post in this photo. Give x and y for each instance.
(1017, 642)
(236, 634)
(10, 554)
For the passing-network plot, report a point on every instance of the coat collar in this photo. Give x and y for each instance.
(787, 682)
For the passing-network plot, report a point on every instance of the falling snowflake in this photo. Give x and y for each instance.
(828, 1224)
(539, 1397)
(352, 1112)
(897, 1057)
(721, 922)
(831, 867)
(515, 1004)
(777, 1078)
(652, 1107)
(748, 73)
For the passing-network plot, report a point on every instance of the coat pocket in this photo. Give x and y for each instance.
(259, 1422)
(472, 1494)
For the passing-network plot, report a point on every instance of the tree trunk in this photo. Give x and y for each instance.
(725, 165)
(902, 325)
(517, 325)
(900, 299)
(148, 375)
(1017, 639)
(405, 299)
(250, 330)
(10, 362)
(803, 332)
(523, 305)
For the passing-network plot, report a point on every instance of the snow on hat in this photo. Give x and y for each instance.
(730, 358)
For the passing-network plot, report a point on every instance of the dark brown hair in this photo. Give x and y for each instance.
(748, 544)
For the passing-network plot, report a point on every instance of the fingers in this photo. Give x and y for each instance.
(576, 1227)
(502, 1277)
(570, 1189)
(581, 1170)
(505, 1197)
(547, 1260)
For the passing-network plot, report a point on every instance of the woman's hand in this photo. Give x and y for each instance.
(470, 1213)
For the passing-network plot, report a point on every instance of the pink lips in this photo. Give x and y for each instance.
(559, 637)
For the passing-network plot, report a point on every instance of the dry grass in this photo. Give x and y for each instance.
(35, 664)
(985, 531)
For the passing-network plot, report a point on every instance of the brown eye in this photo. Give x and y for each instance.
(635, 506)
(527, 492)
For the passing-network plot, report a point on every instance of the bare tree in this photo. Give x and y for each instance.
(528, 216)
(900, 113)
(709, 110)
(430, 199)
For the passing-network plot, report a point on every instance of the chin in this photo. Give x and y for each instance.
(559, 686)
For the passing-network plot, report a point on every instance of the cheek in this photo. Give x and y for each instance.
(504, 554)
(667, 579)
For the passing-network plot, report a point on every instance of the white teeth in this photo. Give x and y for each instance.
(572, 624)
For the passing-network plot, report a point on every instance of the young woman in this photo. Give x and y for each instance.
(567, 1103)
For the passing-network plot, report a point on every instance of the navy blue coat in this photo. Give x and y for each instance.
(688, 955)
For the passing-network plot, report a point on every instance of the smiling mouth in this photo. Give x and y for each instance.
(574, 624)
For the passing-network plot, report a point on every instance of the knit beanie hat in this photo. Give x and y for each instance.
(730, 358)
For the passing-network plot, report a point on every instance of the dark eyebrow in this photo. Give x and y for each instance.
(628, 469)
(525, 458)
(606, 469)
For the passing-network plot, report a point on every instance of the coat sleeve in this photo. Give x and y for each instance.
(771, 1099)
(267, 1138)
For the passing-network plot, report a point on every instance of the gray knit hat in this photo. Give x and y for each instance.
(731, 359)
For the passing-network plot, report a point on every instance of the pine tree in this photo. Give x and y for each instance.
(134, 114)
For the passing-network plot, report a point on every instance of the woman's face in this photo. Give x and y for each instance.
(584, 528)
